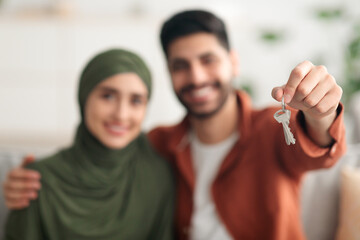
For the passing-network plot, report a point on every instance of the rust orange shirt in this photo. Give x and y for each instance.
(256, 190)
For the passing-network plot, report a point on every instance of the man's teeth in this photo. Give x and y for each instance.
(201, 92)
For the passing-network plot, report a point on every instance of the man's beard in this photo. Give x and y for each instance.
(225, 90)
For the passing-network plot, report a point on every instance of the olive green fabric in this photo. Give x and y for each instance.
(93, 192)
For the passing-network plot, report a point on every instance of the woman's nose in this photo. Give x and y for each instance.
(122, 111)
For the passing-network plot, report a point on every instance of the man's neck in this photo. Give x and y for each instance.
(220, 126)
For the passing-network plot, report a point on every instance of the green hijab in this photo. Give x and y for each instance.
(99, 68)
(107, 64)
(92, 192)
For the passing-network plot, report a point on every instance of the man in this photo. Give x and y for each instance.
(236, 177)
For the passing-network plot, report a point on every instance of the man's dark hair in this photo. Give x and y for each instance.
(190, 22)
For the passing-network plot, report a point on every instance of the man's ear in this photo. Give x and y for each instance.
(234, 58)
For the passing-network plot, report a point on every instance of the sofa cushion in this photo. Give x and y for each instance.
(349, 221)
(320, 197)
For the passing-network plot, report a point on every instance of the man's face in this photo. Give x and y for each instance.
(201, 70)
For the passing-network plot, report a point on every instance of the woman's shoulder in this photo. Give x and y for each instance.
(150, 153)
(48, 162)
(160, 168)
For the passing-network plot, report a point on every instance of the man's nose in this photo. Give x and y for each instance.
(198, 74)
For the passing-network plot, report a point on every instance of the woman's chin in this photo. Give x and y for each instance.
(117, 143)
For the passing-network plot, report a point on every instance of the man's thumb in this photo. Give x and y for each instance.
(277, 93)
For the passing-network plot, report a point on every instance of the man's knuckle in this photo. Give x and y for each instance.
(310, 102)
(320, 108)
(330, 79)
(297, 72)
(321, 68)
(307, 62)
(339, 91)
(302, 91)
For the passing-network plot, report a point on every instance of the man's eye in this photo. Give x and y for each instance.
(209, 60)
(179, 66)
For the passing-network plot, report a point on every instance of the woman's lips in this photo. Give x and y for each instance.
(116, 129)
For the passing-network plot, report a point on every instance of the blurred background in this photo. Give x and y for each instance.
(44, 44)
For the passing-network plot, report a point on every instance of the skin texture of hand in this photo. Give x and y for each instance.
(21, 185)
(315, 92)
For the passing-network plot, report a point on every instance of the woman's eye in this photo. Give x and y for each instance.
(107, 96)
(138, 101)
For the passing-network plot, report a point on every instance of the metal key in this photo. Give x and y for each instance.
(283, 116)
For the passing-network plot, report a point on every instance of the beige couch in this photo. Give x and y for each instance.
(320, 197)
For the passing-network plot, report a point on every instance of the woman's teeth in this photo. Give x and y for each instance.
(117, 128)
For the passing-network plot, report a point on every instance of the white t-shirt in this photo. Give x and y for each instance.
(207, 159)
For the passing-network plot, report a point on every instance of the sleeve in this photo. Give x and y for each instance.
(336, 131)
(306, 155)
(24, 224)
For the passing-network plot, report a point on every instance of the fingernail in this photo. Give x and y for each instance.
(287, 98)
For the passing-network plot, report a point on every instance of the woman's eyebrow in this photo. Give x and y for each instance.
(139, 95)
(107, 89)
(113, 90)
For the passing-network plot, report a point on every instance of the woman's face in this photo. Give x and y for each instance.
(115, 109)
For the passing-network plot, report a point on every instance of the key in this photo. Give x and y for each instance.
(283, 116)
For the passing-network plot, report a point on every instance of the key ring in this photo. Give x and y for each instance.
(283, 103)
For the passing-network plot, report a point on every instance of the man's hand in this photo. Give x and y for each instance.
(315, 92)
(21, 185)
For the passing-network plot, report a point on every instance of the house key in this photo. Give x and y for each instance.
(283, 116)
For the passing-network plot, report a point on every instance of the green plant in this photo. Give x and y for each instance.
(271, 35)
(351, 83)
(329, 13)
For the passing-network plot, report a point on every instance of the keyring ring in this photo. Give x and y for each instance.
(283, 103)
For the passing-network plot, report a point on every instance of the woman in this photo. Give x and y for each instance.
(110, 184)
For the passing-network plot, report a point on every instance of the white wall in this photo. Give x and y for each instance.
(42, 54)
